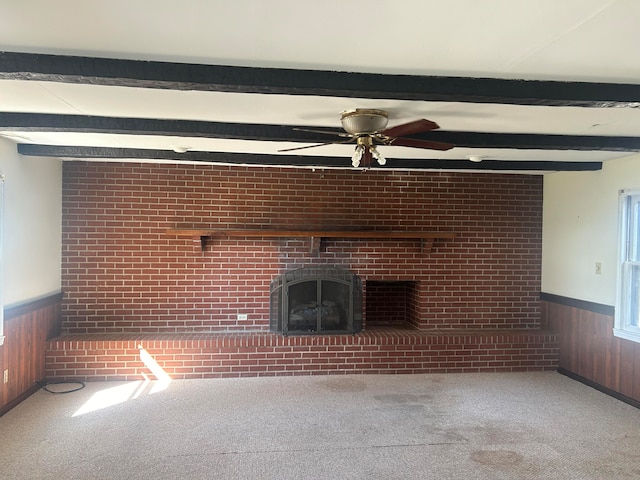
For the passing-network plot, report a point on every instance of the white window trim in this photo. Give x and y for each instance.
(621, 328)
(627, 334)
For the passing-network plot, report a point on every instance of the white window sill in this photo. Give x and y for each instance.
(634, 336)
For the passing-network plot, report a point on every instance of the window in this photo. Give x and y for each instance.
(627, 316)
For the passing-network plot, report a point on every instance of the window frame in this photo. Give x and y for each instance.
(628, 260)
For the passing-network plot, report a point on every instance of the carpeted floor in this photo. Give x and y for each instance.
(466, 426)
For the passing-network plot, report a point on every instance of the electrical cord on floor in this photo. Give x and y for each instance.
(44, 384)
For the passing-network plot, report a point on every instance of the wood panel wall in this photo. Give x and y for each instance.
(27, 328)
(588, 349)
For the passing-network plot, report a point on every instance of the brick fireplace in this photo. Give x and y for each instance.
(126, 280)
(391, 303)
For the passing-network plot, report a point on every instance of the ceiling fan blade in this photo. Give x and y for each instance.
(410, 142)
(324, 132)
(417, 126)
(306, 146)
(313, 146)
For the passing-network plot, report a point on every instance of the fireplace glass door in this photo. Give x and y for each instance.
(312, 301)
(318, 305)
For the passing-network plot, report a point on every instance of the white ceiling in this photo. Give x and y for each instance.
(559, 40)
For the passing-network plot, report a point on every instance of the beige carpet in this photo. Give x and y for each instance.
(467, 426)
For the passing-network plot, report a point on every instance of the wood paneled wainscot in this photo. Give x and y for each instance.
(26, 328)
(589, 351)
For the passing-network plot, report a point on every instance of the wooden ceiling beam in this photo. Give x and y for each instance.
(184, 76)
(36, 122)
(123, 154)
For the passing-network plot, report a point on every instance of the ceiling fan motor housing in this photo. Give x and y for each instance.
(363, 121)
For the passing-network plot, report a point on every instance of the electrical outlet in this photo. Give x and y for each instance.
(5, 376)
(242, 316)
(598, 268)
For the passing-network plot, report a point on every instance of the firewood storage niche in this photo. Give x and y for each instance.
(316, 300)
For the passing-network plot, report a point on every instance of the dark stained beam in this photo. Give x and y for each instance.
(75, 152)
(42, 122)
(530, 141)
(183, 76)
(35, 122)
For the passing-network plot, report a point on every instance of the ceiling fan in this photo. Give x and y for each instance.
(368, 127)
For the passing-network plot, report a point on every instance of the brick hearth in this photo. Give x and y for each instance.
(381, 351)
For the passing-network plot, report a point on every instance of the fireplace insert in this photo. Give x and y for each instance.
(316, 300)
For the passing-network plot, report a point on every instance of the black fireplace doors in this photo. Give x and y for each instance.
(316, 300)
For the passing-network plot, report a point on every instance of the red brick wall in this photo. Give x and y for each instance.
(122, 273)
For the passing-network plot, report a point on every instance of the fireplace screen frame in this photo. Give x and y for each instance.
(348, 307)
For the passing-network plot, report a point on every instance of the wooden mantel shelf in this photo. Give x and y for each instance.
(315, 236)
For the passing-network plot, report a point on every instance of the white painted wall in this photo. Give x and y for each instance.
(31, 259)
(580, 228)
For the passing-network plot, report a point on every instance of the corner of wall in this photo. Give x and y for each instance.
(32, 205)
(580, 215)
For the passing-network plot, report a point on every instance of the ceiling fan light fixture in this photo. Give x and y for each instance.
(364, 121)
(367, 127)
(357, 156)
(378, 156)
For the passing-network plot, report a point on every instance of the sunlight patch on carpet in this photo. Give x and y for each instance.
(128, 391)
(108, 397)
